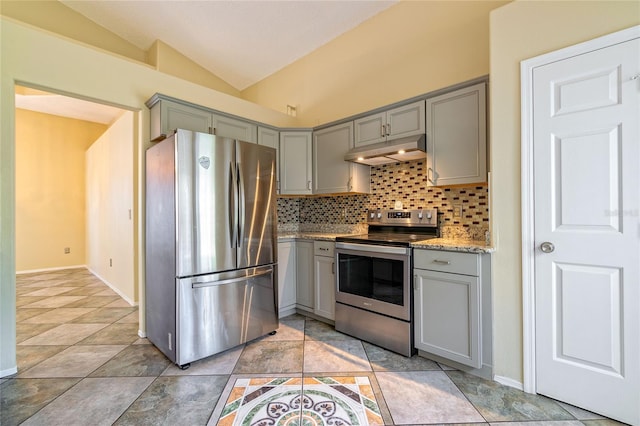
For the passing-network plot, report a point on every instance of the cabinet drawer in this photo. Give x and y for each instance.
(323, 248)
(447, 261)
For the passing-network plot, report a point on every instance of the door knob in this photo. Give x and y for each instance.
(547, 247)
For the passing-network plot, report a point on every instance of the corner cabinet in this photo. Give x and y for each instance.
(168, 114)
(295, 163)
(452, 306)
(407, 120)
(457, 137)
(331, 174)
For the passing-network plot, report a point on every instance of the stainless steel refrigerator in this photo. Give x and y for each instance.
(211, 271)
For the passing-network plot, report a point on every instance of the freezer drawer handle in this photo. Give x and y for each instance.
(229, 281)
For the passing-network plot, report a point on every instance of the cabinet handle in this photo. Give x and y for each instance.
(430, 175)
(333, 268)
(350, 183)
(442, 262)
(382, 130)
(388, 129)
(309, 185)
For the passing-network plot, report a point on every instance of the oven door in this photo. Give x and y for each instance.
(375, 278)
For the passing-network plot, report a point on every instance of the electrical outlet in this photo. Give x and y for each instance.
(67, 250)
(457, 210)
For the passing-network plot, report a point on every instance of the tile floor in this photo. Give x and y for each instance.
(80, 361)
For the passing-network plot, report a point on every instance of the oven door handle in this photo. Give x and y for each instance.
(374, 248)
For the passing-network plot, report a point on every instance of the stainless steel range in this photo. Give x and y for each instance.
(374, 280)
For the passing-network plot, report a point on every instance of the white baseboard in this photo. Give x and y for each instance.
(508, 382)
(114, 288)
(57, 268)
(8, 372)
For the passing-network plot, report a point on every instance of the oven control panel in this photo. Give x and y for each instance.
(421, 217)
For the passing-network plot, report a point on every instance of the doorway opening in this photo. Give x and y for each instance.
(75, 191)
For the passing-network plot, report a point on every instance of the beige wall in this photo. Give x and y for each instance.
(37, 58)
(407, 50)
(56, 17)
(519, 31)
(50, 190)
(110, 207)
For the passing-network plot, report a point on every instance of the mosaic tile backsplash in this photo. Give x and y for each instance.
(405, 182)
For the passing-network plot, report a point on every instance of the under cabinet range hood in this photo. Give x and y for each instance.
(394, 151)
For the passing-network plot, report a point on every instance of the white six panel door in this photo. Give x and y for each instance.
(587, 230)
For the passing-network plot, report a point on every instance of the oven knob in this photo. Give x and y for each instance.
(429, 216)
(420, 215)
(373, 215)
(379, 215)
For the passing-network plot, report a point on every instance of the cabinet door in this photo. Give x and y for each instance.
(447, 316)
(295, 162)
(325, 278)
(174, 115)
(271, 138)
(304, 274)
(370, 129)
(286, 276)
(406, 120)
(331, 174)
(457, 137)
(235, 129)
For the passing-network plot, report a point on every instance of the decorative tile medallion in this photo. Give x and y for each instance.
(308, 401)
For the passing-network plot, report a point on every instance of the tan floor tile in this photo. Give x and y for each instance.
(74, 361)
(58, 315)
(65, 334)
(53, 302)
(49, 291)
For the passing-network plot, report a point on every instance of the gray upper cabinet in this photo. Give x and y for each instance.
(457, 137)
(271, 138)
(167, 115)
(234, 128)
(331, 174)
(295, 163)
(407, 120)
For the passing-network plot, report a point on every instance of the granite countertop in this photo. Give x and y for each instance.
(448, 244)
(455, 244)
(320, 236)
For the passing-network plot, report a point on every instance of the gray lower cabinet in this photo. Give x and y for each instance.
(452, 306)
(325, 279)
(286, 278)
(304, 275)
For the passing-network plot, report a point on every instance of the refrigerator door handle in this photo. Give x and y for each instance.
(233, 207)
(241, 206)
(230, 280)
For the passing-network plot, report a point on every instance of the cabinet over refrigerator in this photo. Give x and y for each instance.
(210, 244)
